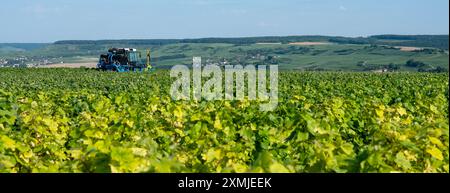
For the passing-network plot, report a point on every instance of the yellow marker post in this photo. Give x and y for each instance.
(149, 65)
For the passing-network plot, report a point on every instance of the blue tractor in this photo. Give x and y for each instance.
(124, 60)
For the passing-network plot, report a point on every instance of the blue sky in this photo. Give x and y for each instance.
(51, 20)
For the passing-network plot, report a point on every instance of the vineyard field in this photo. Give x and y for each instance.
(80, 120)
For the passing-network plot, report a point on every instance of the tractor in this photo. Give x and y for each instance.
(124, 60)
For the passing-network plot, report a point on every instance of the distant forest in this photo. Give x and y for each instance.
(433, 41)
(21, 46)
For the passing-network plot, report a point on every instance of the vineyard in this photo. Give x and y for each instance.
(76, 120)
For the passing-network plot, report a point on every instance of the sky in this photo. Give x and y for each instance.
(45, 21)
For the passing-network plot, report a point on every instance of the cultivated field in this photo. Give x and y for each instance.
(80, 120)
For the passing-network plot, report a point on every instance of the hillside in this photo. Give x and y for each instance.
(310, 53)
(14, 47)
(432, 41)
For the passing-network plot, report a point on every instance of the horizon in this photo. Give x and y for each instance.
(218, 37)
(46, 21)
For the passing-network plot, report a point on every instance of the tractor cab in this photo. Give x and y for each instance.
(123, 60)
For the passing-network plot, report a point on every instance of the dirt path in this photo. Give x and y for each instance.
(408, 49)
(269, 43)
(309, 43)
(71, 65)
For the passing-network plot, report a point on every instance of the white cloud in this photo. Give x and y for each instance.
(265, 24)
(42, 10)
(238, 11)
(234, 12)
(200, 2)
(342, 8)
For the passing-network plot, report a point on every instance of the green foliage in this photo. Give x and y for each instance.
(62, 120)
(413, 63)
